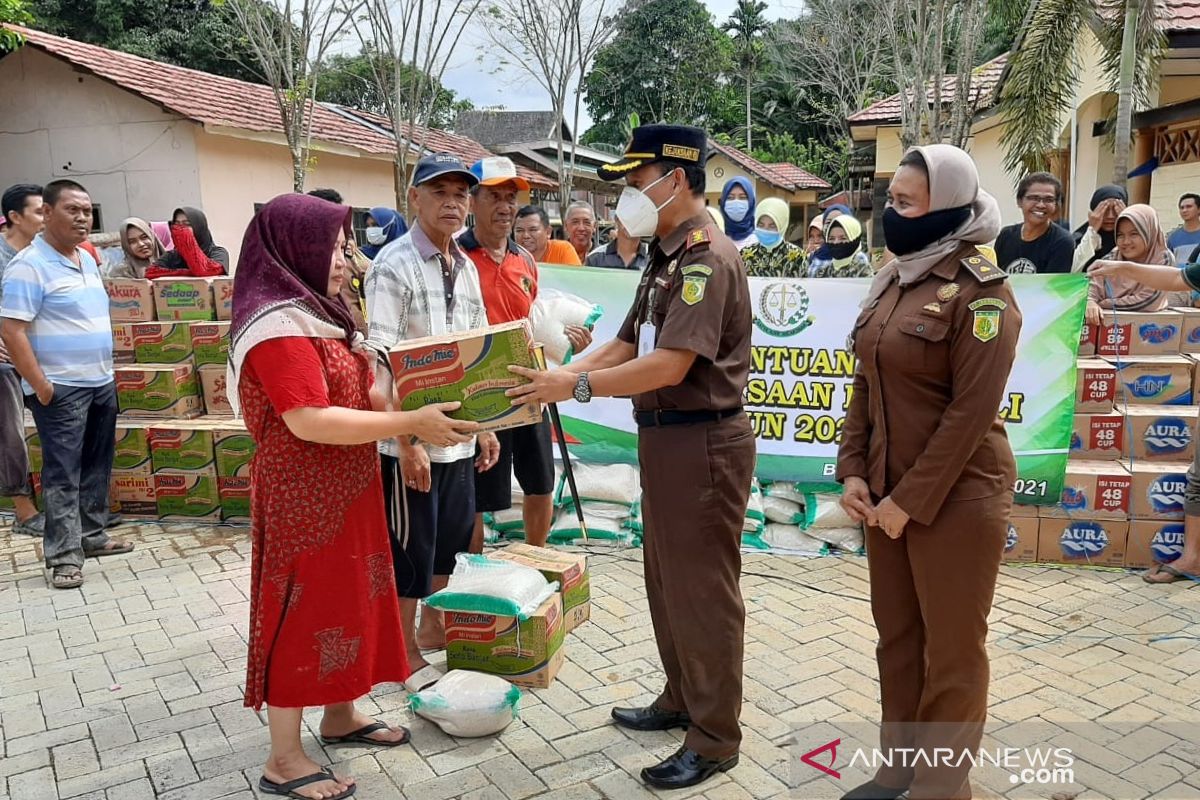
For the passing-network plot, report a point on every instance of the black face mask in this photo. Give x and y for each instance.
(904, 235)
(842, 249)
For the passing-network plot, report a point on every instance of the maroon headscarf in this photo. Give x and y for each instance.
(285, 257)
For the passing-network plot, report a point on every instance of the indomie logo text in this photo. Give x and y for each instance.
(432, 357)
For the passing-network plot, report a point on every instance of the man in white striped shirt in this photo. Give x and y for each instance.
(423, 285)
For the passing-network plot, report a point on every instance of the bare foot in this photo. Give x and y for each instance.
(283, 771)
(333, 728)
(1158, 574)
(431, 633)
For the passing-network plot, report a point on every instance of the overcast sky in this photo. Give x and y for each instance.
(516, 91)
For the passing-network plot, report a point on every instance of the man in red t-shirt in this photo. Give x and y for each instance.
(508, 276)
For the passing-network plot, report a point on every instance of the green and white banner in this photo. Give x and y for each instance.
(801, 374)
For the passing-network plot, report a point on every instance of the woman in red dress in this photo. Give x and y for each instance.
(324, 614)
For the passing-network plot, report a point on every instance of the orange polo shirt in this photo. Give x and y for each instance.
(559, 251)
(510, 287)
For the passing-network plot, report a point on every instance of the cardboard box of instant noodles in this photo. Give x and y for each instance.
(470, 367)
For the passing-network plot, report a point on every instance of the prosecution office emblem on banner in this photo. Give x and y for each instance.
(783, 309)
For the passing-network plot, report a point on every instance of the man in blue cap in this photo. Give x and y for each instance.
(683, 355)
(422, 284)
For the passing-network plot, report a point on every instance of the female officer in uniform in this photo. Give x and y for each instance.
(926, 464)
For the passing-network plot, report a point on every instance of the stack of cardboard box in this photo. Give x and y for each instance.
(1133, 442)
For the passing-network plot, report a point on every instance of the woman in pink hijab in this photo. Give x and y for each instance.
(163, 231)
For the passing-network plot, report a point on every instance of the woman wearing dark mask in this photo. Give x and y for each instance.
(845, 256)
(928, 467)
(195, 254)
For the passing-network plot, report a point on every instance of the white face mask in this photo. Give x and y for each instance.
(375, 235)
(737, 209)
(637, 212)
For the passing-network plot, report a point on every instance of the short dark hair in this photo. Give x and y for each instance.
(1039, 177)
(54, 190)
(332, 195)
(16, 197)
(694, 173)
(1195, 198)
(914, 159)
(534, 211)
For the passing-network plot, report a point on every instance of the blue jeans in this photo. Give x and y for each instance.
(78, 433)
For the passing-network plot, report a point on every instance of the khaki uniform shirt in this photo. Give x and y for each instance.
(933, 362)
(695, 294)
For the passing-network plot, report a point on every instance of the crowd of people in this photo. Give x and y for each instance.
(338, 576)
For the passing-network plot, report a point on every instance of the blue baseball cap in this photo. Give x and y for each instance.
(436, 165)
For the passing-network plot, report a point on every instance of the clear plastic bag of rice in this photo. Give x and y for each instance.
(778, 509)
(491, 586)
(605, 483)
(848, 540)
(825, 511)
(468, 704)
(785, 490)
(793, 540)
(552, 312)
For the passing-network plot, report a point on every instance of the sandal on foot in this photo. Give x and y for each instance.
(288, 789)
(66, 577)
(362, 736)
(1175, 574)
(423, 678)
(112, 548)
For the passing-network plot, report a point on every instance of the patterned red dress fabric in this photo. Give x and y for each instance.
(324, 615)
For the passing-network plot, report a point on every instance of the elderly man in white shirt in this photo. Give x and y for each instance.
(423, 285)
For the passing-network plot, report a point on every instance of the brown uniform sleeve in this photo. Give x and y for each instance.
(697, 325)
(628, 331)
(979, 374)
(856, 432)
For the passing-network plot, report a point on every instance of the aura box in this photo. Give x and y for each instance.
(130, 299)
(210, 343)
(123, 342)
(222, 287)
(1098, 542)
(187, 494)
(1021, 543)
(213, 386)
(1098, 436)
(158, 390)
(1093, 489)
(569, 570)
(184, 299)
(132, 490)
(1127, 333)
(1159, 490)
(1095, 385)
(526, 653)
(1154, 380)
(1165, 433)
(1153, 542)
(181, 446)
(470, 367)
(161, 342)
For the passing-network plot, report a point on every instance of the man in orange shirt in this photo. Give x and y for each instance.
(532, 231)
(508, 276)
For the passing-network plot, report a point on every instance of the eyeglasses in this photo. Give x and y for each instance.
(1041, 199)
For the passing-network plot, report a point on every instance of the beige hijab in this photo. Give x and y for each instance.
(132, 266)
(1145, 219)
(953, 182)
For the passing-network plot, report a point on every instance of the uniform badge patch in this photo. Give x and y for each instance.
(987, 324)
(934, 307)
(693, 289)
(671, 267)
(984, 302)
(948, 291)
(527, 284)
(697, 269)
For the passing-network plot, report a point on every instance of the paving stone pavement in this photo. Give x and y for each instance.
(131, 688)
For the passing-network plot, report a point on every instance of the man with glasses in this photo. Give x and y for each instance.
(1036, 245)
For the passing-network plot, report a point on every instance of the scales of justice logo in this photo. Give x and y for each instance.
(783, 309)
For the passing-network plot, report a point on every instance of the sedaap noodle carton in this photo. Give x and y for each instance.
(184, 299)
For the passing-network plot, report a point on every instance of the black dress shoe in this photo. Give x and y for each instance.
(686, 768)
(650, 718)
(873, 791)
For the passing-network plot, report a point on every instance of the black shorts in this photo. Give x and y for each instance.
(526, 451)
(428, 529)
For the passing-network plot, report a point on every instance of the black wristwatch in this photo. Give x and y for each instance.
(583, 388)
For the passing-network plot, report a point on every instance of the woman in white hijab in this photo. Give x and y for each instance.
(928, 467)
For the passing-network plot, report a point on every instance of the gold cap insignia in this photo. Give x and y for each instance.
(948, 291)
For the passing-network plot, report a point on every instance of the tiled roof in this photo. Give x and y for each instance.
(785, 176)
(983, 94)
(1182, 16)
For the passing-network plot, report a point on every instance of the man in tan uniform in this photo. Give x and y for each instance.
(683, 354)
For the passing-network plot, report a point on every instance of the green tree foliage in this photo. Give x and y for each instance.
(15, 11)
(349, 80)
(746, 26)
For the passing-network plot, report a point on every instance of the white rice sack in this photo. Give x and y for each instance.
(825, 511)
(468, 704)
(848, 540)
(552, 312)
(752, 526)
(509, 519)
(785, 490)
(754, 541)
(607, 483)
(491, 586)
(792, 539)
(786, 512)
(599, 528)
(754, 510)
(491, 535)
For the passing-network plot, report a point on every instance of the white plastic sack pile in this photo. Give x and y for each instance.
(782, 510)
(606, 483)
(830, 523)
(607, 523)
(552, 312)
(491, 586)
(785, 490)
(789, 538)
(468, 704)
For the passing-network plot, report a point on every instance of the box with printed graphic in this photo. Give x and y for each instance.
(210, 343)
(183, 299)
(222, 287)
(1096, 489)
(158, 390)
(1189, 334)
(1083, 540)
(130, 299)
(235, 498)
(469, 367)
(182, 445)
(1021, 543)
(212, 386)
(123, 342)
(132, 490)
(1128, 333)
(1095, 386)
(187, 494)
(1087, 340)
(1159, 489)
(527, 653)
(1153, 541)
(1154, 380)
(1098, 436)
(132, 450)
(234, 449)
(568, 570)
(161, 342)
(1165, 433)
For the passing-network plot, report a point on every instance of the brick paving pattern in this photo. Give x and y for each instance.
(131, 688)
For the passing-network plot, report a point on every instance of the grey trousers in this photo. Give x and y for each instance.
(14, 461)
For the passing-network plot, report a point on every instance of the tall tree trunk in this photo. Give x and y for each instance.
(399, 182)
(298, 169)
(749, 135)
(1123, 139)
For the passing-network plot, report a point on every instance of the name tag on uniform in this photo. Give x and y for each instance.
(647, 338)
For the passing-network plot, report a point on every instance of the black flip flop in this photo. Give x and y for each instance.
(1175, 574)
(121, 549)
(268, 786)
(362, 736)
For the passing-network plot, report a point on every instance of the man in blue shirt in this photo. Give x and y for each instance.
(54, 321)
(1186, 238)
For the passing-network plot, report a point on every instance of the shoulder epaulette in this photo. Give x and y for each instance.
(698, 237)
(983, 269)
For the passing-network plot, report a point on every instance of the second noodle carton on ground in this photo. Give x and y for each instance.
(470, 367)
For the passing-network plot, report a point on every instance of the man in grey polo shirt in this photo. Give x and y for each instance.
(56, 327)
